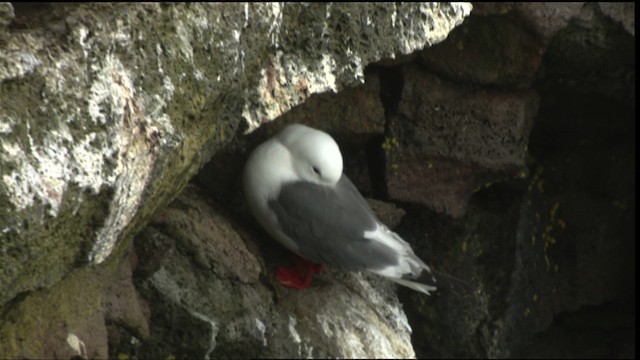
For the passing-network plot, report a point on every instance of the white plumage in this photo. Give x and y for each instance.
(295, 188)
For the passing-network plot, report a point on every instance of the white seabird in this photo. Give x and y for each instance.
(295, 188)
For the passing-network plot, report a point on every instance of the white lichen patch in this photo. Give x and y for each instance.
(25, 184)
(80, 33)
(436, 24)
(137, 139)
(90, 164)
(77, 345)
(115, 146)
(393, 309)
(214, 332)
(170, 287)
(16, 63)
(262, 329)
(185, 48)
(6, 125)
(304, 349)
(292, 330)
(360, 338)
(286, 82)
(372, 326)
(277, 9)
(288, 79)
(44, 169)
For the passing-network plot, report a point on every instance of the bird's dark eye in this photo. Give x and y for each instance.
(317, 171)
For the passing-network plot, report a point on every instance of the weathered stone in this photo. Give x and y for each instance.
(542, 267)
(448, 140)
(548, 260)
(107, 110)
(401, 29)
(493, 8)
(69, 319)
(354, 111)
(6, 16)
(548, 20)
(206, 284)
(489, 50)
(580, 56)
(623, 13)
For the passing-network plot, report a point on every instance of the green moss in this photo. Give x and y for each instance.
(46, 248)
(69, 304)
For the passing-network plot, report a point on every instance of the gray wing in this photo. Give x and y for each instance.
(328, 225)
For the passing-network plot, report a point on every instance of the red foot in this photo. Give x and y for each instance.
(299, 275)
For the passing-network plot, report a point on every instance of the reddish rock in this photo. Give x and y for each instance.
(447, 140)
(546, 19)
(488, 50)
(356, 110)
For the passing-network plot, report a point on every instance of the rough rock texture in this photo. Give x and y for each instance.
(107, 111)
(528, 215)
(447, 140)
(488, 50)
(239, 310)
(72, 318)
(544, 264)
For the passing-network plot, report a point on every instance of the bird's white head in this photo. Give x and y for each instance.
(315, 156)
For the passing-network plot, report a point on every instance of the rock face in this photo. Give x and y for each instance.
(239, 310)
(504, 154)
(447, 140)
(107, 111)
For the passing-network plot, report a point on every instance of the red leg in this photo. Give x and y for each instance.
(299, 275)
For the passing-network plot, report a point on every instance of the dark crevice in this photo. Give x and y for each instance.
(376, 166)
(41, 15)
(604, 330)
(391, 84)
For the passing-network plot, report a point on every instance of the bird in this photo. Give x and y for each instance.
(295, 188)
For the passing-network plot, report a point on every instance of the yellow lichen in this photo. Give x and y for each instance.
(390, 143)
(536, 180)
(548, 234)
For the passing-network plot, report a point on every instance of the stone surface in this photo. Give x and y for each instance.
(71, 318)
(107, 110)
(494, 50)
(400, 28)
(623, 13)
(541, 264)
(550, 257)
(548, 20)
(6, 16)
(448, 140)
(202, 279)
(581, 57)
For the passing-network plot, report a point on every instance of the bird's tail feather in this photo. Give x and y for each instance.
(452, 283)
(424, 288)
